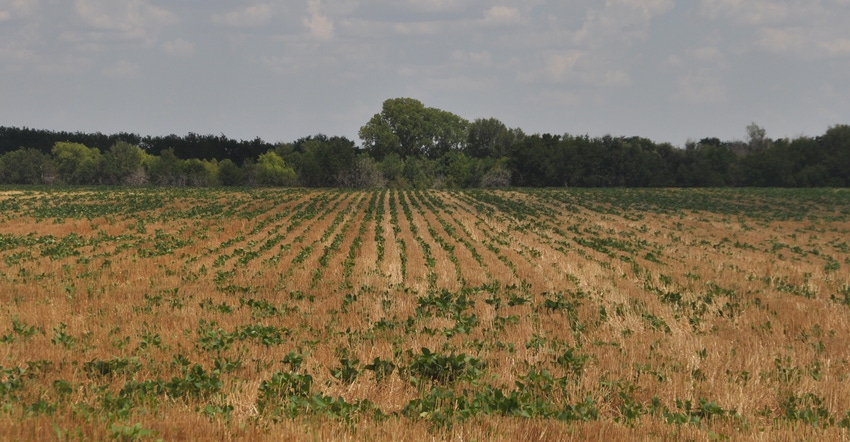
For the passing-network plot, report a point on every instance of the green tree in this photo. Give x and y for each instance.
(498, 175)
(408, 128)
(836, 141)
(273, 171)
(26, 166)
(200, 173)
(76, 163)
(419, 173)
(489, 138)
(229, 174)
(165, 169)
(121, 162)
(318, 160)
(756, 139)
(459, 170)
(363, 173)
(392, 168)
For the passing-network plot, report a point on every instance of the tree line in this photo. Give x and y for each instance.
(409, 145)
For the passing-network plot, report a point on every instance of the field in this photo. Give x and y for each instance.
(145, 314)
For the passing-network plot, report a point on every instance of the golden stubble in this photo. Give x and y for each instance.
(666, 306)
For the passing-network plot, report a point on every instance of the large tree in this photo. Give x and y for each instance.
(122, 161)
(76, 163)
(489, 138)
(26, 166)
(408, 128)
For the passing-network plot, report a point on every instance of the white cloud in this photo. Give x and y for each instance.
(840, 46)
(559, 65)
(707, 54)
(786, 27)
(622, 21)
(502, 15)
(555, 97)
(752, 12)
(803, 42)
(250, 17)
(553, 68)
(781, 40)
(10, 9)
(121, 69)
(179, 48)
(131, 20)
(615, 77)
(320, 26)
(419, 28)
(482, 58)
(701, 88)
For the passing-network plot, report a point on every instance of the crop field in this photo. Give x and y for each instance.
(146, 314)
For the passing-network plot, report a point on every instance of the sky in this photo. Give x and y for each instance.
(670, 71)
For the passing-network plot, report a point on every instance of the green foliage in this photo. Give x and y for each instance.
(126, 433)
(347, 372)
(407, 128)
(122, 164)
(381, 368)
(113, 367)
(273, 171)
(26, 166)
(229, 174)
(76, 163)
(443, 369)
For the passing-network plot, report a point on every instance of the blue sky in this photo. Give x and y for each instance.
(662, 69)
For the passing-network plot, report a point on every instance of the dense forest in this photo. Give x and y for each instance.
(408, 145)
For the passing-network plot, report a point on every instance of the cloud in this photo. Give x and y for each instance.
(751, 12)
(781, 40)
(482, 58)
(250, 17)
(179, 48)
(424, 28)
(121, 69)
(10, 9)
(621, 21)
(839, 46)
(320, 26)
(130, 20)
(701, 88)
(803, 30)
(553, 67)
(502, 15)
(802, 42)
(707, 54)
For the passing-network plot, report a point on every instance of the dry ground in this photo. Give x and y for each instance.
(140, 314)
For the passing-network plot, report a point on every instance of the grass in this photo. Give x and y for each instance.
(146, 314)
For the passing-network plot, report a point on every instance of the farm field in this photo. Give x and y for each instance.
(606, 314)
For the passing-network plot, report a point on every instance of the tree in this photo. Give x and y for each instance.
(406, 127)
(393, 169)
(121, 161)
(836, 142)
(756, 140)
(200, 173)
(459, 170)
(319, 160)
(26, 166)
(229, 173)
(76, 163)
(165, 169)
(362, 174)
(499, 175)
(273, 171)
(488, 138)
